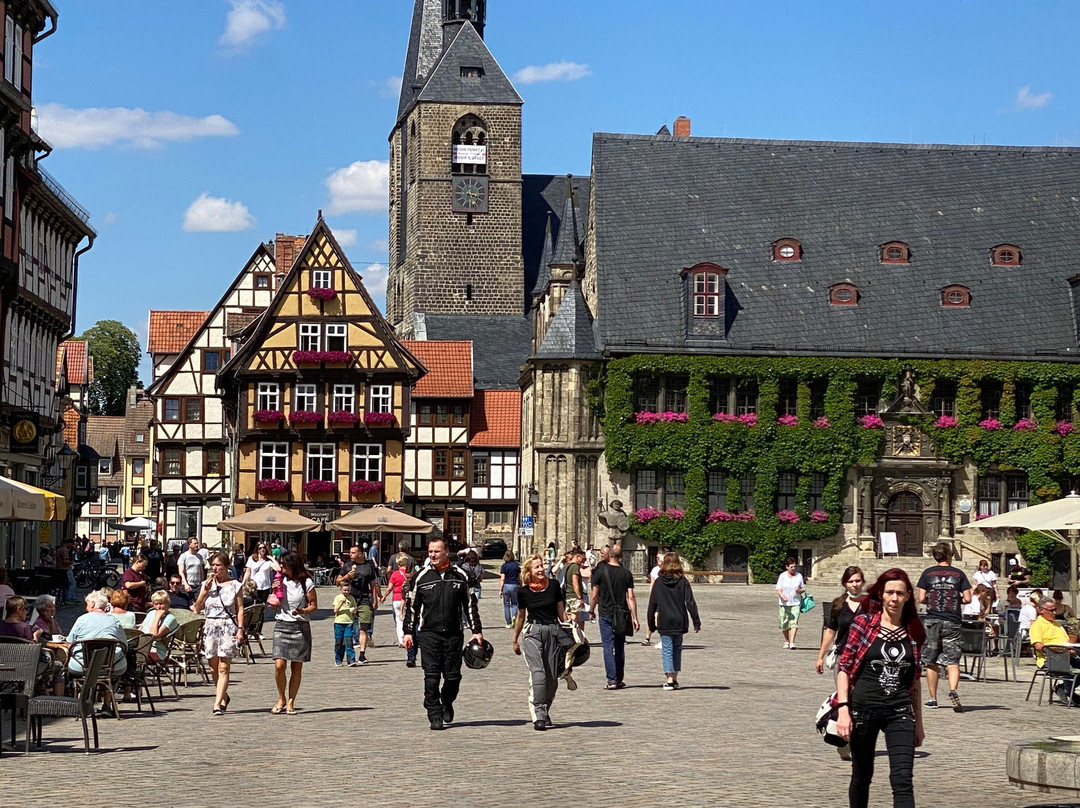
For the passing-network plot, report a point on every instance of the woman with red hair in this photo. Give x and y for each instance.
(877, 688)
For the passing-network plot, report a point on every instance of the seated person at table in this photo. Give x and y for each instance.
(1061, 611)
(44, 616)
(1030, 612)
(249, 591)
(979, 605)
(1012, 598)
(178, 598)
(15, 625)
(159, 624)
(1044, 631)
(97, 623)
(120, 601)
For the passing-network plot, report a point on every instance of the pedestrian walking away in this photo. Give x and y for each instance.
(654, 573)
(440, 595)
(220, 599)
(877, 688)
(671, 610)
(573, 587)
(292, 629)
(943, 589)
(790, 588)
(613, 599)
(509, 581)
(540, 610)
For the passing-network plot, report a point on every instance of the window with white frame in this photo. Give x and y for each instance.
(310, 337)
(367, 462)
(269, 396)
(273, 461)
(320, 279)
(336, 336)
(305, 397)
(494, 475)
(13, 47)
(344, 398)
(112, 495)
(706, 294)
(320, 461)
(382, 398)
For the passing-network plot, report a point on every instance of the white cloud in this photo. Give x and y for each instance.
(215, 214)
(362, 186)
(97, 127)
(247, 20)
(346, 238)
(380, 245)
(1025, 99)
(555, 71)
(108, 218)
(387, 88)
(374, 278)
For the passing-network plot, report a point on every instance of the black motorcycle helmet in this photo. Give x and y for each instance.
(477, 655)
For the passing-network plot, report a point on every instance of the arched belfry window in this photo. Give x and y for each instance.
(469, 146)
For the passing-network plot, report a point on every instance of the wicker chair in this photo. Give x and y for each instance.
(110, 677)
(17, 684)
(81, 707)
(253, 616)
(136, 676)
(186, 650)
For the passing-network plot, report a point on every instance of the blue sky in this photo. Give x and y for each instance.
(192, 131)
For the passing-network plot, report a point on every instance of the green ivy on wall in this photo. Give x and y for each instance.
(702, 444)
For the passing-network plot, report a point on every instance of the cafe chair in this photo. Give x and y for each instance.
(1058, 670)
(253, 616)
(109, 678)
(81, 707)
(186, 650)
(973, 649)
(138, 675)
(18, 672)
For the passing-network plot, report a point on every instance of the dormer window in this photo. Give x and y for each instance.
(708, 289)
(895, 252)
(844, 294)
(1005, 255)
(956, 297)
(472, 72)
(786, 249)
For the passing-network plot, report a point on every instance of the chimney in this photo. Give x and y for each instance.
(286, 248)
(682, 126)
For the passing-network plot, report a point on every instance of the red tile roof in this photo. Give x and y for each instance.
(495, 419)
(449, 364)
(78, 361)
(72, 417)
(170, 331)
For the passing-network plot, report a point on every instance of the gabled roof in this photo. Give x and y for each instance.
(104, 434)
(447, 85)
(449, 364)
(137, 419)
(425, 45)
(495, 419)
(663, 204)
(570, 334)
(500, 344)
(73, 358)
(543, 197)
(170, 331)
(237, 321)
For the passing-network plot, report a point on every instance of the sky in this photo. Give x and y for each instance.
(193, 131)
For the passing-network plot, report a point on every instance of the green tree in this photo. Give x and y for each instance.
(116, 353)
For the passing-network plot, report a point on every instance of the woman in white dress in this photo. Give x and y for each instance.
(221, 600)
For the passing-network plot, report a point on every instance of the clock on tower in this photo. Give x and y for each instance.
(470, 194)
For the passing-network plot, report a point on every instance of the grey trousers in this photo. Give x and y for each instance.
(540, 646)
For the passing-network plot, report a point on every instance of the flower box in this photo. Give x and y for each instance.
(1063, 428)
(990, 424)
(297, 417)
(379, 419)
(871, 422)
(644, 515)
(946, 422)
(1025, 425)
(787, 517)
(359, 487)
(657, 417)
(819, 516)
(321, 293)
(319, 487)
(747, 419)
(822, 423)
(344, 418)
(788, 420)
(311, 357)
(724, 516)
(269, 416)
(271, 486)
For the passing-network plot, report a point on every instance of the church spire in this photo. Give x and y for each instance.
(425, 47)
(568, 243)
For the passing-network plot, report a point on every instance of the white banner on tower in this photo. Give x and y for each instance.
(470, 155)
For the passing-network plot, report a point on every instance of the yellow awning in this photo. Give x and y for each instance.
(23, 502)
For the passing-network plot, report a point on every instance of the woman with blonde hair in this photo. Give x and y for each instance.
(395, 582)
(221, 600)
(671, 609)
(159, 624)
(540, 610)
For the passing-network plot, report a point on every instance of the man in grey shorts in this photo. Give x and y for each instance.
(943, 589)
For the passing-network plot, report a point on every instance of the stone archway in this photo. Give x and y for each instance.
(904, 517)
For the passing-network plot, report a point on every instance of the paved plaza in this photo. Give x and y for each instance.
(739, 732)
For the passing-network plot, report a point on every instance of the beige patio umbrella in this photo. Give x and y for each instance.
(270, 519)
(1058, 519)
(380, 519)
(23, 502)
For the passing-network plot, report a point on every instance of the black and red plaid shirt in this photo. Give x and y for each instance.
(864, 630)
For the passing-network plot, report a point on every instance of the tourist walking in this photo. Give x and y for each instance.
(221, 600)
(239, 560)
(292, 629)
(573, 587)
(192, 567)
(943, 589)
(475, 571)
(790, 587)
(440, 595)
(839, 616)
(540, 610)
(402, 567)
(877, 688)
(671, 610)
(260, 569)
(362, 576)
(509, 581)
(613, 599)
(344, 618)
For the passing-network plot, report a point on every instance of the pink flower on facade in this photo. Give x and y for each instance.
(871, 422)
(1063, 428)
(365, 487)
(749, 419)
(724, 516)
(657, 417)
(787, 517)
(305, 417)
(990, 424)
(268, 416)
(319, 487)
(309, 357)
(1025, 425)
(321, 294)
(344, 417)
(379, 418)
(271, 486)
(788, 420)
(822, 423)
(946, 422)
(723, 417)
(819, 516)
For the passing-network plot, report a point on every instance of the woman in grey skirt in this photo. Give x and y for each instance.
(540, 608)
(292, 629)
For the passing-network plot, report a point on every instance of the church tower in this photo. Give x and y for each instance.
(455, 174)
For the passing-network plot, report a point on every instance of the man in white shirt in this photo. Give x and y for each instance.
(192, 567)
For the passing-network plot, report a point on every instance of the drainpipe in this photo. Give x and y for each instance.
(75, 283)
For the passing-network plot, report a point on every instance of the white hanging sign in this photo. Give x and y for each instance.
(470, 155)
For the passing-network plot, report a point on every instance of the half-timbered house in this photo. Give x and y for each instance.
(105, 435)
(192, 468)
(138, 452)
(318, 395)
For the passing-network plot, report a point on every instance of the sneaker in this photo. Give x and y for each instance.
(448, 713)
(954, 697)
(436, 724)
(675, 685)
(791, 646)
(539, 725)
(787, 645)
(339, 664)
(356, 663)
(549, 722)
(646, 641)
(509, 625)
(932, 704)
(361, 659)
(669, 686)
(410, 663)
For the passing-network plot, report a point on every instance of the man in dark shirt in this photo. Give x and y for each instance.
(943, 589)
(178, 598)
(613, 590)
(362, 575)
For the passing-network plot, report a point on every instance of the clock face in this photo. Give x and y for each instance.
(470, 194)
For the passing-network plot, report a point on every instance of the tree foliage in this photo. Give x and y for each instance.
(1038, 550)
(116, 353)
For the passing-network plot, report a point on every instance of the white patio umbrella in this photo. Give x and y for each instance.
(137, 523)
(1059, 519)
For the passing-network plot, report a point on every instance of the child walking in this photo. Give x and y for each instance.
(344, 620)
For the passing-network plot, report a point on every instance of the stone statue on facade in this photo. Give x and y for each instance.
(616, 521)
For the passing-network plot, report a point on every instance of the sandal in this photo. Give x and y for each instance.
(277, 708)
(225, 703)
(290, 710)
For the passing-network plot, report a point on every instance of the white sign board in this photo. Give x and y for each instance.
(470, 155)
(887, 542)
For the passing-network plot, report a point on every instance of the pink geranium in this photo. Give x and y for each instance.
(305, 417)
(821, 423)
(788, 420)
(657, 417)
(871, 422)
(319, 487)
(724, 516)
(379, 419)
(309, 357)
(271, 486)
(723, 418)
(990, 424)
(268, 416)
(321, 294)
(644, 515)
(748, 419)
(1025, 425)
(819, 516)
(344, 417)
(946, 422)
(365, 487)
(787, 517)
(1063, 428)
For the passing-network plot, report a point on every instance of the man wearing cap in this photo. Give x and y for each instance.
(1018, 573)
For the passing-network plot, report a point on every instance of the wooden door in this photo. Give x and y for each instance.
(454, 532)
(905, 519)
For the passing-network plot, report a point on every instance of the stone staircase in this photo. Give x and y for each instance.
(873, 567)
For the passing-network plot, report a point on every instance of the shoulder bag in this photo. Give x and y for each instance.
(807, 603)
(825, 721)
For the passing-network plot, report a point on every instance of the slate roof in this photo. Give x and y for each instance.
(170, 331)
(543, 195)
(501, 343)
(425, 45)
(446, 84)
(237, 321)
(449, 365)
(664, 204)
(495, 419)
(570, 334)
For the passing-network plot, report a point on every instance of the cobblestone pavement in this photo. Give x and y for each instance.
(739, 732)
